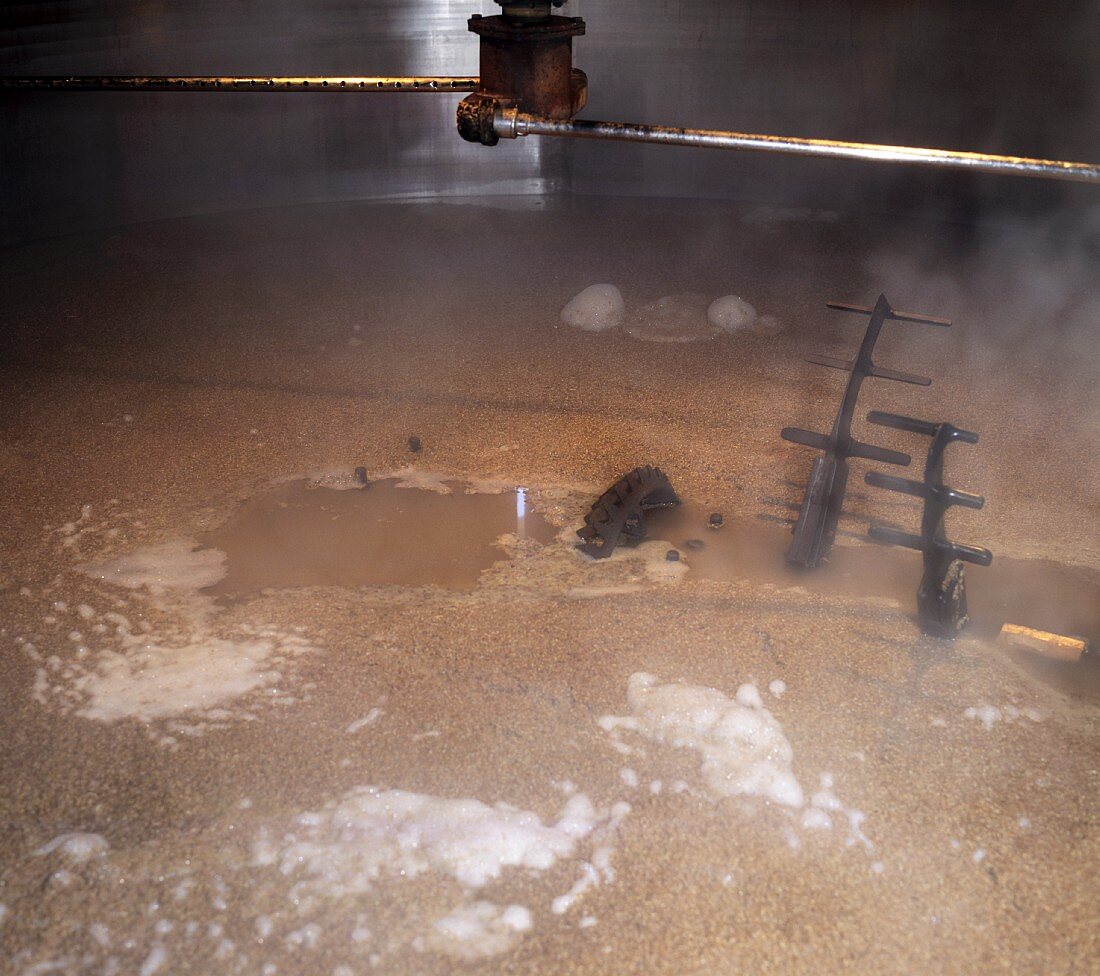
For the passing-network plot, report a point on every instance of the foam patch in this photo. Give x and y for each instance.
(741, 744)
(173, 566)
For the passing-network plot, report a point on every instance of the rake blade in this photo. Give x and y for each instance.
(897, 422)
(895, 537)
(904, 486)
(807, 438)
(872, 453)
(878, 371)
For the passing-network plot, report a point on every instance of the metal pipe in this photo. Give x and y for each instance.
(372, 83)
(508, 123)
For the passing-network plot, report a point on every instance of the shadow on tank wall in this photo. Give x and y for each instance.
(1001, 77)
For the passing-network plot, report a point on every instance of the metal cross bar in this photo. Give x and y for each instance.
(895, 314)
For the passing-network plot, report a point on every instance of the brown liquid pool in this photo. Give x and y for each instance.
(303, 535)
(297, 535)
(1037, 593)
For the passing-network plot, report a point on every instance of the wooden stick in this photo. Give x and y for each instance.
(1055, 646)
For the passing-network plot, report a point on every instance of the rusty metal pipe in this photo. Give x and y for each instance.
(508, 123)
(267, 83)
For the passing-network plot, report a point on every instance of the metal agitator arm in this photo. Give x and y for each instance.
(508, 123)
(529, 87)
(237, 83)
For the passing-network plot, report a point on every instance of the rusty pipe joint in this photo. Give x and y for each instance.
(477, 118)
(527, 65)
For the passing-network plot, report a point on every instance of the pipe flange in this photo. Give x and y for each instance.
(501, 28)
(527, 11)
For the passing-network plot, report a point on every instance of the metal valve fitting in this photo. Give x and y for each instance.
(527, 64)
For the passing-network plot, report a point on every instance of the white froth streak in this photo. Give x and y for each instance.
(369, 719)
(76, 847)
(153, 962)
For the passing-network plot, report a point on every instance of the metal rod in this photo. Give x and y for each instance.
(510, 124)
(895, 314)
(266, 83)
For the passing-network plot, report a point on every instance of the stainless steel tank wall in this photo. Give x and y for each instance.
(999, 76)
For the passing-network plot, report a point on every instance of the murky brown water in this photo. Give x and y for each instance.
(1037, 593)
(295, 535)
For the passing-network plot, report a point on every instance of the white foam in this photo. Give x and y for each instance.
(731, 314)
(76, 847)
(597, 308)
(824, 798)
(599, 868)
(743, 748)
(184, 672)
(856, 820)
(476, 930)
(175, 565)
(816, 819)
(777, 688)
(347, 846)
(370, 839)
(589, 878)
(61, 879)
(308, 937)
(990, 715)
(749, 696)
(149, 680)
